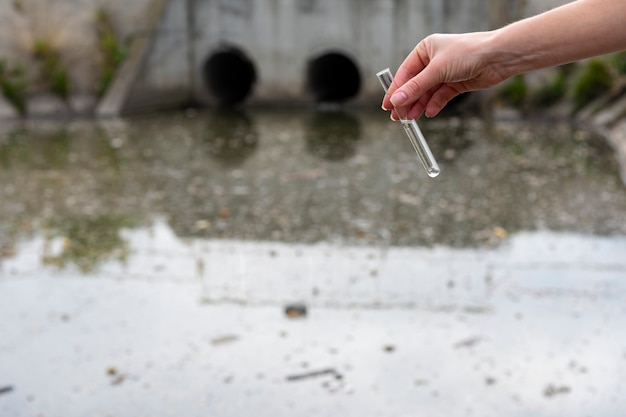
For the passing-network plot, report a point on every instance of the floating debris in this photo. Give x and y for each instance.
(6, 389)
(223, 340)
(115, 376)
(389, 348)
(500, 232)
(553, 391)
(314, 374)
(294, 311)
(469, 342)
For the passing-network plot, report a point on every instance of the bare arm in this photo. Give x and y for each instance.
(443, 66)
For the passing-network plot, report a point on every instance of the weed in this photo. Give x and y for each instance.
(18, 6)
(13, 86)
(515, 91)
(52, 69)
(618, 61)
(89, 241)
(552, 92)
(593, 81)
(111, 51)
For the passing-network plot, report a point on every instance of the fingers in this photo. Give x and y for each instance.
(440, 97)
(413, 89)
(414, 63)
(415, 110)
(431, 103)
(418, 108)
(406, 97)
(413, 94)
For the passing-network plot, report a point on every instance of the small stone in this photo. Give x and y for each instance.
(296, 311)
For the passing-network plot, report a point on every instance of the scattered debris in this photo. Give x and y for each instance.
(553, 391)
(223, 340)
(469, 342)
(202, 224)
(6, 389)
(224, 213)
(294, 311)
(115, 376)
(477, 309)
(310, 175)
(314, 374)
(335, 384)
(490, 380)
(500, 232)
(389, 348)
(7, 251)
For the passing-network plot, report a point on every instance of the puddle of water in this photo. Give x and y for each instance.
(145, 265)
(307, 178)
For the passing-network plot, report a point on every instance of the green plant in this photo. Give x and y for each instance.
(515, 91)
(52, 69)
(551, 92)
(89, 241)
(13, 86)
(18, 6)
(594, 80)
(112, 53)
(618, 61)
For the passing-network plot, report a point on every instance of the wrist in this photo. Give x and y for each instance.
(511, 54)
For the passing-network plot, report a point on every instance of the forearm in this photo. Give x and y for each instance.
(569, 33)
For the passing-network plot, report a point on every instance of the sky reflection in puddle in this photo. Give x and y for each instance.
(145, 264)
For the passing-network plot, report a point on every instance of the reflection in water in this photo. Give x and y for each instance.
(522, 177)
(230, 136)
(533, 324)
(449, 140)
(333, 135)
(54, 145)
(86, 242)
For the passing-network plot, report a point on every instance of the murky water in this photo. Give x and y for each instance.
(308, 178)
(497, 288)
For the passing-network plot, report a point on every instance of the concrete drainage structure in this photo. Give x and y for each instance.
(225, 52)
(229, 75)
(333, 77)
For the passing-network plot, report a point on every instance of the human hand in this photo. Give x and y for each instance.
(440, 68)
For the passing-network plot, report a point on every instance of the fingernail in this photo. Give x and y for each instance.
(384, 108)
(391, 116)
(399, 98)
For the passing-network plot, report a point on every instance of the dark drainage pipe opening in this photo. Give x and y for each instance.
(333, 77)
(229, 75)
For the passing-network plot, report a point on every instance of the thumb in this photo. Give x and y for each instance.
(416, 87)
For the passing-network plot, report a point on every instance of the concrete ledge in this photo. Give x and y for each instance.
(117, 96)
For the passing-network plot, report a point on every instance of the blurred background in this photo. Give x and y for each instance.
(204, 211)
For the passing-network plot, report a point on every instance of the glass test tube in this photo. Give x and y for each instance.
(413, 132)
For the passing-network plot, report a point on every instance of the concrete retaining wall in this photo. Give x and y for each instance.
(172, 40)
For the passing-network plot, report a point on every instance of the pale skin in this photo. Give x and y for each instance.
(444, 66)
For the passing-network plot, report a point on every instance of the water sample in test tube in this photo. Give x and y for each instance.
(413, 132)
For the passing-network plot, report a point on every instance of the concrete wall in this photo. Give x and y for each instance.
(280, 37)
(70, 26)
(173, 39)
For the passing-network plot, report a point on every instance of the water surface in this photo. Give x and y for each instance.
(145, 265)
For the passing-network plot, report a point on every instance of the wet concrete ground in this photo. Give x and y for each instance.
(145, 267)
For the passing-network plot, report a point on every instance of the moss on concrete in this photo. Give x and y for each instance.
(13, 85)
